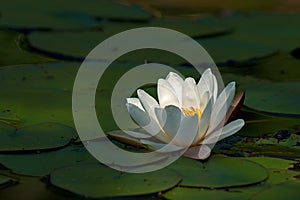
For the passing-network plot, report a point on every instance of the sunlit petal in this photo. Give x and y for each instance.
(190, 95)
(166, 94)
(176, 82)
(169, 119)
(221, 106)
(224, 132)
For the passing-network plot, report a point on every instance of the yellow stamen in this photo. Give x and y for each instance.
(191, 111)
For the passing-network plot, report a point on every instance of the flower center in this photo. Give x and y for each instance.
(191, 111)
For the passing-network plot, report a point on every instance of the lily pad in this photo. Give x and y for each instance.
(37, 137)
(79, 14)
(279, 97)
(46, 93)
(45, 90)
(282, 67)
(288, 190)
(41, 164)
(219, 172)
(12, 54)
(266, 150)
(268, 96)
(4, 181)
(272, 163)
(268, 29)
(76, 45)
(6, 129)
(181, 193)
(25, 186)
(234, 52)
(98, 181)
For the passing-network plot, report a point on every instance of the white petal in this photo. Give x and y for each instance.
(187, 131)
(136, 102)
(204, 100)
(226, 131)
(215, 89)
(136, 134)
(161, 146)
(148, 102)
(169, 119)
(204, 122)
(206, 82)
(190, 94)
(176, 82)
(204, 152)
(138, 115)
(145, 121)
(198, 152)
(166, 94)
(221, 106)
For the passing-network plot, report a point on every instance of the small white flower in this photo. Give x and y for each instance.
(193, 111)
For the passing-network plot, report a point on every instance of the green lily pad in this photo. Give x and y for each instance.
(282, 67)
(181, 193)
(270, 97)
(12, 54)
(288, 190)
(219, 172)
(260, 124)
(278, 169)
(37, 137)
(268, 29)
(279, 97)
(79, 14)
(4, 181)
(76, 45)
(25, 186)
(98, 181)
(272, 163)
(266, 150)
(33, 94)
(234, 52)
(41, 164)
(6, 129)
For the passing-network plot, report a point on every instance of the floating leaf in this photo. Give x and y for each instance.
(98, 181)
(79, 44)
(288, 190)
(268, 29)
(234, 52)
(270, 97)
(5, 181)
(266, 150)
(181, 193)
(219, 172)
(272, 163)
(41, 164)
(32, 188)
(12, 54)
(30, 15)
(282, 67)
(37, 137)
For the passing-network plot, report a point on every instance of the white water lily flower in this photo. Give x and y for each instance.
(194, 111)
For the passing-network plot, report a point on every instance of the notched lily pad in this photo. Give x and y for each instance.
(181, 193)
(78, 44)
(288, 190)
(219, 172)
(98, 181)
(41, 164)
(12, 54)
(37, 137)
(32, 15)
(5, 181)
